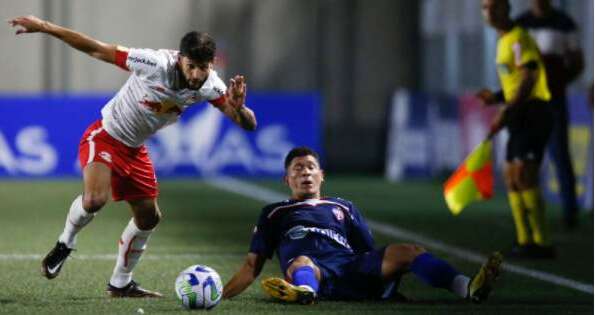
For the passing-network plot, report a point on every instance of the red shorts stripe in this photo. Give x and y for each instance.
(133, 175)
(91, 144)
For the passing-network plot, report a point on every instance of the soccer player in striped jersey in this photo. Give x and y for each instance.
(528, 119)
(327, 251)
(162, 85)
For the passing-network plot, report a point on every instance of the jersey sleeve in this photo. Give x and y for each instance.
(262, 242)
(524, 51)
(360, 236)
(139, 61)
(217, 93)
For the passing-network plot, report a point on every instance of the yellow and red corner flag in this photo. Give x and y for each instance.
(472, 181)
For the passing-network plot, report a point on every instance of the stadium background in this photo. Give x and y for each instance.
(346, 77)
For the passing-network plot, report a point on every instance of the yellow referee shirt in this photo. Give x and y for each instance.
(515, 49)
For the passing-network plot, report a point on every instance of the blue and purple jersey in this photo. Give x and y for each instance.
(318, 228)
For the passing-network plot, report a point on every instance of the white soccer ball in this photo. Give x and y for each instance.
(199, 287)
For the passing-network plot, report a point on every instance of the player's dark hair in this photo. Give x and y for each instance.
(504, 4)
(507, 5)
(298, 152)
(198, 46)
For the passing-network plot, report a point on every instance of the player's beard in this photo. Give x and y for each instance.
(194, 84)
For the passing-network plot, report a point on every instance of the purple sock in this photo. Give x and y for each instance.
(433, 271)
(305, 275)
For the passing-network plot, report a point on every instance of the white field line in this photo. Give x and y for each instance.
(269, 196)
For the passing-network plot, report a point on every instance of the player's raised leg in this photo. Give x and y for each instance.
(132, 244)
(96, 179)
(302, 286)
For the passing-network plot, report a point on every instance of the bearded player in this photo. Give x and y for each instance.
(162, 84)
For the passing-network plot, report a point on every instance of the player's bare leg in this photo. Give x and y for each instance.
(133, 242)
(96, 180)
(398, 258)
(303, 278)
(396, 261)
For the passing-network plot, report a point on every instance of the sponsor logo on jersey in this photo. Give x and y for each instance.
(297, 232)
(300, 231)
(142, 60)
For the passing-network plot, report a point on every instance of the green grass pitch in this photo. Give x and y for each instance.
(206, 225)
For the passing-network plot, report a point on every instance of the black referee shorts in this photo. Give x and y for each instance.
(529, 126)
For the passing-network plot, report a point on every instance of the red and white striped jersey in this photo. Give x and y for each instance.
(150, 99)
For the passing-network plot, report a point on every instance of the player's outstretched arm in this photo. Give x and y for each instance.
(245, 276)
(79, 41)
(235, 107)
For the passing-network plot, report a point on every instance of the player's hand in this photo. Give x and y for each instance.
(492, 132)
(487, 97)
(497, 124)
(236, 93)
(28, 24)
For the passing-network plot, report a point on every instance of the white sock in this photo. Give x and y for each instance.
(460, 285)
(307, 287)
(130, 248)
(76, 219)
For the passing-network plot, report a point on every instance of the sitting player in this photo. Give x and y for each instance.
(326, 250)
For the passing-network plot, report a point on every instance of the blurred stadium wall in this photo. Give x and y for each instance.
(354, 53)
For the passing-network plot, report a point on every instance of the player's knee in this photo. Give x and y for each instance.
(517, 182)
(398, 258)
(302, 261)
(157, 218)
(510, 180)
(150, 221)
(529, 179)
(298, 262)
(510, 184)
(93, 202)
(412, 251)
(402, 255)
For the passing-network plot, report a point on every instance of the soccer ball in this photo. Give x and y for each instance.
(199, 287)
